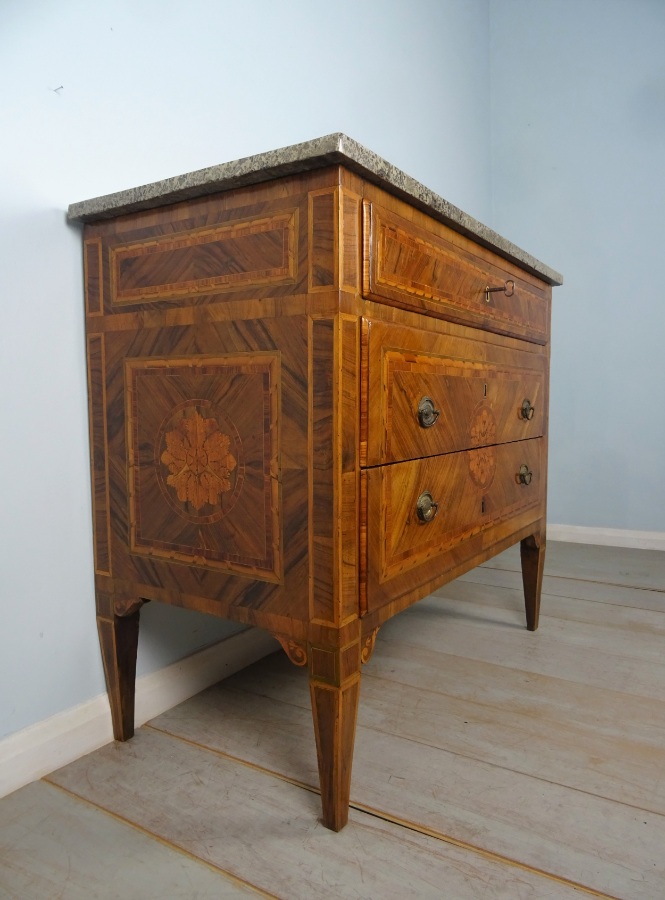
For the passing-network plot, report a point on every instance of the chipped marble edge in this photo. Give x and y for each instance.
(329, 150)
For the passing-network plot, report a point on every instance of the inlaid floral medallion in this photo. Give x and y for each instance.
(482, 433)
(202, 449)
(199, 461)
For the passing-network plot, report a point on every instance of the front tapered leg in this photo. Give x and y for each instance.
(532, 552)
(118, 639)
(334, 687)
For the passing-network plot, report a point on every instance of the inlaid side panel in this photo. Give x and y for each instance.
(206, 260)
(322, 362)
(203, 464)
(348, 425)
(323, 240)
(99, 454)
(351, 241)
(92, 268)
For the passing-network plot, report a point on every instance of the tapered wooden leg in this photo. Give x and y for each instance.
(335, 686)
(532, 552)
(118, 638)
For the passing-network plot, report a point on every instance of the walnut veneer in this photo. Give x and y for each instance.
(307, 411)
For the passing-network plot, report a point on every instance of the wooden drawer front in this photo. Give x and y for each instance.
(439, 273)
(479, 390)
(474, 490)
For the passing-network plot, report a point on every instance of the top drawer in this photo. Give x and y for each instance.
(435, 270)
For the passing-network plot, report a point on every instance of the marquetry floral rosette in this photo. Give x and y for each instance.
(198, 458)
(198, 462)
(482, 434)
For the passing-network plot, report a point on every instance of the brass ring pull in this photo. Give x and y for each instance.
(426, 507)
(527, 410)
(427, 413)
(507, 288)
(524, 476)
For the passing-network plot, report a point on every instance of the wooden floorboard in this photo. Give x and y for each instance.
(441, 763)
(576, 589)
(257, 826)
(490, 762)
(54, 846)
(609, 565)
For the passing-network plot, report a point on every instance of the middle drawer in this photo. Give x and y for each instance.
(429, 393)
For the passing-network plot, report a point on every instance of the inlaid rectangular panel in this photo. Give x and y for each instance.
(99, 454)
(206, 260)
(323, 239)
(460, 494)
(430, 393)
(422, 269)
(92, 269)
(203, 461)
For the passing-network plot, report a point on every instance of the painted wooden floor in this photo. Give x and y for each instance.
(490, 763)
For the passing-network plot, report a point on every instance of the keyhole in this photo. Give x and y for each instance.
(484, 390)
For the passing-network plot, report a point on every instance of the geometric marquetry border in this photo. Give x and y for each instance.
(264, 364)
(242, 253)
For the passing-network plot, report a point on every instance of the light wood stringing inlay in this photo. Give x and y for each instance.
(206, 260)
(186, 516)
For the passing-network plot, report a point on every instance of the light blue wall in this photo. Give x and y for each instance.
(578, 178)
(152, 88)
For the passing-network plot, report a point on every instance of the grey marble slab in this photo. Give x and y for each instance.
(333, 149)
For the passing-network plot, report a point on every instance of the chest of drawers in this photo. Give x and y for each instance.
(317, 393)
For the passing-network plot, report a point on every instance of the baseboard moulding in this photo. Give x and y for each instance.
(41, 748)
(607, 537)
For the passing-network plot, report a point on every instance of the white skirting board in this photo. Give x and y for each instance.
(47, 745)
(607, 537)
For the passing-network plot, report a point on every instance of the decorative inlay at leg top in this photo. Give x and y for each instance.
(296, 651)
(368, 646)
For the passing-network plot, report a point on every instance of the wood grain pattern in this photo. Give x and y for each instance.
(254, 361)
(478, 391)
(205, 260)
(101, 504)
(118, 638)
(422, 269)
(475, 490)
(54, 845)
(323, 240)
(92, 273)
(201, 432)
(351, 243)
(371, 857)
(569, 721)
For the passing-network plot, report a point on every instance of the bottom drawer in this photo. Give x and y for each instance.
(420, 513)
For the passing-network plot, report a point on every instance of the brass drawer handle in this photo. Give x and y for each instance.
(524, 476)
(507, 288)
(426, 507)
(527, 410)
(427, 413)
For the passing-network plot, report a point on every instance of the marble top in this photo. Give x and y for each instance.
(333, 149)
